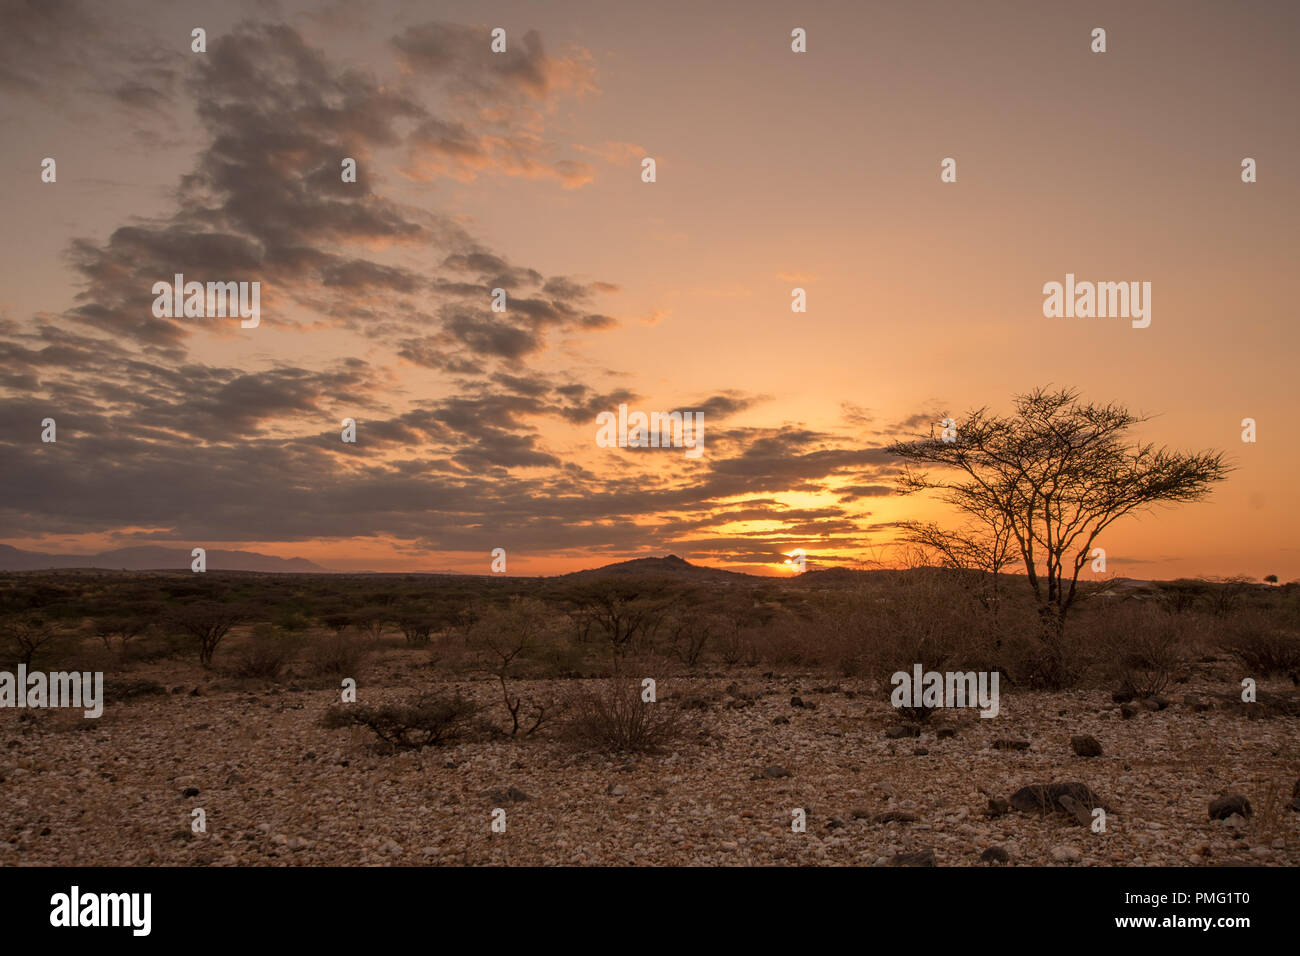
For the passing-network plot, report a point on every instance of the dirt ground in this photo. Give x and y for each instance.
(277, 789)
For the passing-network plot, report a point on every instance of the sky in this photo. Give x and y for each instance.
(522, 170)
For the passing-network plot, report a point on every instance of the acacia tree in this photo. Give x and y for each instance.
(208, 622)
(504, 634)
(1058, 472)
(621, 611)
(27, 635)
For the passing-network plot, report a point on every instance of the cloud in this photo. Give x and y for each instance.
(462, 430)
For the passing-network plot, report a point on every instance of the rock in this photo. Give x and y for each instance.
(997, 808)
(190, 792)
(1128, 711)
(917, 858)
(616, 790)
(834, 823)
(920, 752)
(943, 733)
(508, 795)
(995, 854)
(1122, 696)
(1046, 797)
(860, 813)
(898, 731)
(1066, 854)
(1235, 821)
(1228, 804)
(1085, 745)
(780, 719)
(1295, 796)
(776, 772)
(235, 779)
(1261, 852)
(1078, 812)
(796, 702)
(894, 816)
(1006, 743)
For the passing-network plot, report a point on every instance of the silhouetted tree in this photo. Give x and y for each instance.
(1058, 472)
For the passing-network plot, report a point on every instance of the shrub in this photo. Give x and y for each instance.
(426, 721)
(25, 636)
(1261, 645)
(1140, 648)
(502, 635)
(338, 656)
(372, 621)
(616, 719)
(417, 628)
(124, 628)
(208, 623)
(689, 632)
(1053, 663)
(266, 655)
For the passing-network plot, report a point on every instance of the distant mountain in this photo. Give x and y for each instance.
(669, 565)
(148, 558)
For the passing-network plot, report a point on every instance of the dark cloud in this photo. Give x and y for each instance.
(152, 437)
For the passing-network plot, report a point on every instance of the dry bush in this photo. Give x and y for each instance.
(689, 633)
(426, 721)
(921, 617)
(502, 635)
(1261, 644)
(121, 630)
(616, 719)
(266, 654)
(417, 628)
(1140, 647)
(208, 623)
(25, 636)
(1052, 663)
(338, 656)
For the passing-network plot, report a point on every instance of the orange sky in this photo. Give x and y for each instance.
(775, 170)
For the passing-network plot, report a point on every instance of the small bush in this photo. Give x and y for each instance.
(266, 655)
(417, 629)
(616, 720)
(1262, 646)
(338, 656)
(1141, 648)
(25, 636)
(426, 721)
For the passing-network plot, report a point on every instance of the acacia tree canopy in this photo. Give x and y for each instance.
(1058, 472)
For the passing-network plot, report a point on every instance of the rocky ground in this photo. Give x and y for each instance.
(278, 789)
